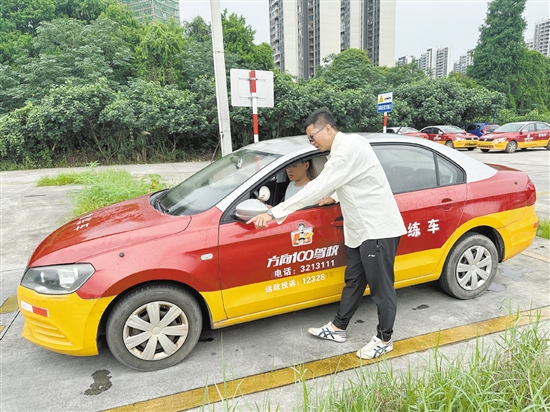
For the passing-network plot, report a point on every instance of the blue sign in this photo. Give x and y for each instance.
(385, 107)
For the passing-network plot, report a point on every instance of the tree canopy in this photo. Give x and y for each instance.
(85, 80)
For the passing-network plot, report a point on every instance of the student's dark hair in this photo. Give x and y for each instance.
(321, 118)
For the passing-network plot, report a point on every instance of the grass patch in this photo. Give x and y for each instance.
(509, 375)
(543, 230)
(103, 188)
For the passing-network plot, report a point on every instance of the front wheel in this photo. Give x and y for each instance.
(470, 267)
(449, 143)
(471, 148)
(511, 147)
(154, 327)
(485, 150)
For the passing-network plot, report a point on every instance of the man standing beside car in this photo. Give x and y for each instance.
(372, 227)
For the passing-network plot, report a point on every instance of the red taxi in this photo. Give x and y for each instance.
(451, 136)
(148, 272)
(517, 135)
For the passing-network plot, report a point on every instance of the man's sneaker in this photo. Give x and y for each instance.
(375, 348)
(329, 333)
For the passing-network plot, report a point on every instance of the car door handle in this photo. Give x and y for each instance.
(338, 222)
(447, 204)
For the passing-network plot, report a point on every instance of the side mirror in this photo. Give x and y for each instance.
(250, 208)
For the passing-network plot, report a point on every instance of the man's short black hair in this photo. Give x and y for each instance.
(321, 118)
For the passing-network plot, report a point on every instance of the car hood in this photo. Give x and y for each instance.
(493, 135)
(105, 229)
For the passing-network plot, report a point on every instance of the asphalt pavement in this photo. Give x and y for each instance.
(34, 379)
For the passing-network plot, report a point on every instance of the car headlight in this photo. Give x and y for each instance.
(57, 280)
(458, 139)
(502, 139)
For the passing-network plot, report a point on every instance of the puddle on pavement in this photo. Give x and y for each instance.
(513, 272)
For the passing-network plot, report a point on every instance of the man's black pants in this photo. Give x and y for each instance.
(372, 264)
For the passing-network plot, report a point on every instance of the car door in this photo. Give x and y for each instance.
(527, 136)
(295, 264)
(431, 192)
(431, 132)
(543, 134)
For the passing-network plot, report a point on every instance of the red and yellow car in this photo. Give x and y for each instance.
(451, 136)
(517, 135)
(148, 272)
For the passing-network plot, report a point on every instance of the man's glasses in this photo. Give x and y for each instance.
(311, 137)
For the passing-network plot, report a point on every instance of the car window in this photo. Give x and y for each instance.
(542, 126)
(472, 127)
(410, 168)
(530, 127)
(210, 185)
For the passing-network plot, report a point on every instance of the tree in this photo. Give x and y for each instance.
(238, 39)
(157, 50)
(500, 48)
(350, 69)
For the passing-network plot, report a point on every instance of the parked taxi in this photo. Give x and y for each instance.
(516, 135)
(147, 273)
(451, 136)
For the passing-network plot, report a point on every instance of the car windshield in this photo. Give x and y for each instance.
(407, 130)
(452, 129)
(210, 185)
(510, 127)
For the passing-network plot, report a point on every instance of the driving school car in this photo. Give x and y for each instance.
(148, 273)
(451, 136)
(517, 135)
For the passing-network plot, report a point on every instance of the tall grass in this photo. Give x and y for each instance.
(543, 230)
(511, 375)
(102, 188)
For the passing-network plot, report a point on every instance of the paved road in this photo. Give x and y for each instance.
(33, 379)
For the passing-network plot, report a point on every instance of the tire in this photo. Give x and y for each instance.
(156, 349)
(449, 143)
(471, 148)
(485, 150)
(511, 147)
(470, 267)
(548, 145)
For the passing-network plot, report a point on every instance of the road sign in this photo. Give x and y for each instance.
(385, 102)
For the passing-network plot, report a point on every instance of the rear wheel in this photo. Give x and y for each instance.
(449, 143)
(470, 267)
(154, 327)
(548, 145)
(471, 148)
(485, 150)
(511, 147)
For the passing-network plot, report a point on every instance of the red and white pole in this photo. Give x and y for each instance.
(254, 97)
(385, 122)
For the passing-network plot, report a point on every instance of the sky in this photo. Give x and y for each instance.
(420, 24)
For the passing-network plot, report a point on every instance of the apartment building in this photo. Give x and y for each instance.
(541, 40)
(162, 10)
(304, 32)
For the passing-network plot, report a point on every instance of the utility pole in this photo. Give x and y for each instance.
(221, 81)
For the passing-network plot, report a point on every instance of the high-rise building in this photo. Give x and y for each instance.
(304, 32)
(463, 62)
(541, 41)
(406, 60)
(436, 62)
(162, 10)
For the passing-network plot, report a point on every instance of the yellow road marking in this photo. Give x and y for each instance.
(10, 305)
(2, 328)
(264, 381)
(536, 256)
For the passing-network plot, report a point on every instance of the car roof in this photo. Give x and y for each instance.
(293, 146)
(289, 148)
